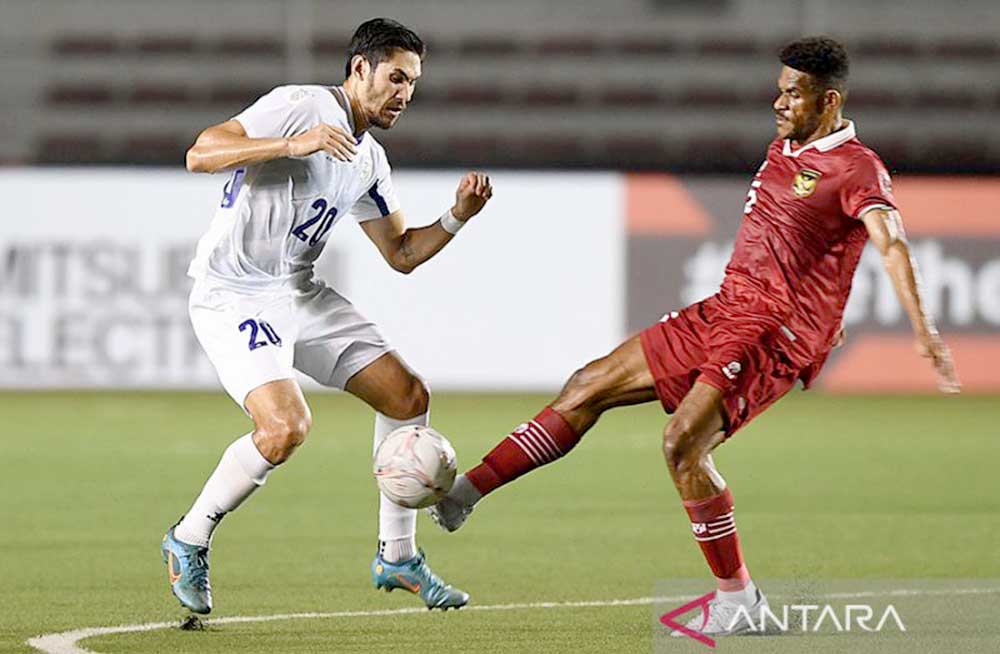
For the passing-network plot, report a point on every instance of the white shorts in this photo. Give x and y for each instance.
(253, 339)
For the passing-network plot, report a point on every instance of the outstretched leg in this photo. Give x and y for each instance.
(619, 379)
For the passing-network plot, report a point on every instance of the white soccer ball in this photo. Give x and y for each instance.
(415, 466)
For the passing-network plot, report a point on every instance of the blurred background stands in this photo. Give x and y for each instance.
(633, 84)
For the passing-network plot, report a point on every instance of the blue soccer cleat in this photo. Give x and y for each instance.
(416, 577)
(187, 570)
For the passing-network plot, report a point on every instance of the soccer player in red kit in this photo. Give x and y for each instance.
(719, 363)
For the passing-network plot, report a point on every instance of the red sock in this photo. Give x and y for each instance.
(544, 439)
(714, 527)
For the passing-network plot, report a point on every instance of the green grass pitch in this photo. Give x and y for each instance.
(826, 487)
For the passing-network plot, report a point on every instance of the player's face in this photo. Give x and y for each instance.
(799, 107)
(389, 88)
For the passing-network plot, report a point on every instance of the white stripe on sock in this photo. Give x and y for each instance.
(715, 536)
(542, 455)
(721, 518)
(721, 526)
(544, 431)
(539, 445)
(545, 441)
(525, 450)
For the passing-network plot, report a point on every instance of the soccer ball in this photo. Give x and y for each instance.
(415, 466)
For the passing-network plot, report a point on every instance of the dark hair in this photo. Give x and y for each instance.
(820, 56)
(375, 40)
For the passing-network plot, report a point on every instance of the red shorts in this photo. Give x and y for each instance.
(734, 349)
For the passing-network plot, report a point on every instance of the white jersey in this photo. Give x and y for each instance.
(274, 217)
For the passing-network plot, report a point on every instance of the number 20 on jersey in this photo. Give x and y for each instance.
(322, 216)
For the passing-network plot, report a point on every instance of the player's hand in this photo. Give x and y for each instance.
(323, 137)
(470, 198)
(933, 347)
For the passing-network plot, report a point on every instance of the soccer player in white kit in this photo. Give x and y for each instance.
(302, 157)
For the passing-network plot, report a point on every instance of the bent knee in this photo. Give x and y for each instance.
(277, 437)
(412, 401)
(680, 456)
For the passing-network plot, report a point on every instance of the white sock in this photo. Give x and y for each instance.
(240, 471)
(400, 549)
(746, 597)
(397, 525)
(464, 492)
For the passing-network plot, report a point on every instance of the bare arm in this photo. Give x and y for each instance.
(886, 231)
(227, 145)
(405, 249)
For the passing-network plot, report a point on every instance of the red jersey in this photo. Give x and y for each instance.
(801, 237)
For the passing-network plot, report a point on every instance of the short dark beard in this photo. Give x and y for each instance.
(376, 121)
(803, 132)
(800, 134)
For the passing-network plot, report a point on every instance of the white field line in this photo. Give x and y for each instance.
(66, 642)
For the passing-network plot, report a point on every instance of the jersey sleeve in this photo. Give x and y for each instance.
(380, 199)
(866, 186)
(283, 112)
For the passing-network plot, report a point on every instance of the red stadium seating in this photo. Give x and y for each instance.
(671, 76)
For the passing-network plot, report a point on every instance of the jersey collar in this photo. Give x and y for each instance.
(825, 144)
(340, 95)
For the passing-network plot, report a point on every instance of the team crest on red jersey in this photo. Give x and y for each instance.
(805, 182)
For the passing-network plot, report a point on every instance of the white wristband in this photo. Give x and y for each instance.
(450, 223)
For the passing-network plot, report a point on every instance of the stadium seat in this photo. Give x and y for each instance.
(702, 153)
(942, 98)
(492, 46)
(701, 66)
(158, 44)
(70, 148)
(550, 96)
(987, 49)
(86, 45)
(892, 150)
(160, 94)
(408, 147)
(331, 46)
(474, 95)
(645, 45)
(710, 96)
(630, 97)
(579, 45)
(880, 47)
(548, 150)
(474, 148)
(961, 153)
(79, 94)
(164, 149)
(728, 46)
(255, 46)
(634, 152)
(235, 94)
(867, 98)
